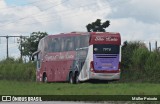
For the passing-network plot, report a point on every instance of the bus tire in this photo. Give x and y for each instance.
(45, 80)
(76, 78)
(71, 78)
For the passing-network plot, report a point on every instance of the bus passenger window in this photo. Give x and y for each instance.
(62, 44)
(56, 48)
(50, 45)
(84, 41)
(38, 62)
(69, 44)
(46, 45)
(55, 45)
(77, 42)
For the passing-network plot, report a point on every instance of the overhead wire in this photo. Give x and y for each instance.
(54, 17)
(62, 12)
(39, 14)
(66, 14)
(74, 15)
(57, 17)
(33, 14)
(11, 7)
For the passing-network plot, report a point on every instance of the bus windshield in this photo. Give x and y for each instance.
(105, 49)
(106, 57)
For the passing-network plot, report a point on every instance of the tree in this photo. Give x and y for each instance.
(30, 44)
(97, 26)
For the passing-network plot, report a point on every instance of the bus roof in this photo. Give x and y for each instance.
(96, 37)
(69, 34)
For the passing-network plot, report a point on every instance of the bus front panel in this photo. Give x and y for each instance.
(106, 57)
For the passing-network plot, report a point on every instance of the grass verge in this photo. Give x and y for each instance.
(33, 88)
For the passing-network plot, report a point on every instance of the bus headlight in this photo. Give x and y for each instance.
(95, 49)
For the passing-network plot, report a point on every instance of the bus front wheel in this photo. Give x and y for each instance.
(45, 80)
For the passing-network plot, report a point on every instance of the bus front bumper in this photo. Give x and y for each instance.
(105, 76)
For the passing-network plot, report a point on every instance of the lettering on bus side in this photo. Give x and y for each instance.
(100, 38)
(59, 56)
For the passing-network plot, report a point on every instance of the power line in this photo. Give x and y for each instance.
(32, 14)
(60, 12)
(65, 15)
(44, 10)
(17, 6)
(52, 18)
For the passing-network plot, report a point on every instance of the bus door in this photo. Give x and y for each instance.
(80, 60)
(37, 58)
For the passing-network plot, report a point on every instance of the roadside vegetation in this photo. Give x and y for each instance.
(139, 64)
(16, 69)
(140, 76)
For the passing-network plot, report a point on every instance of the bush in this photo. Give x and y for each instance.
(139, 58)
(152, 67)
(127, 52)
(11, 69)
(140, 65)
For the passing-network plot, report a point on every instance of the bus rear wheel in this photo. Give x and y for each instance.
(76, 78)
(71, 78)
(45, 80)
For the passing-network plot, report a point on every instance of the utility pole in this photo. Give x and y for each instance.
(156, 45)
(7, 45)
(20, 43)
(21, 46)
(150, 46)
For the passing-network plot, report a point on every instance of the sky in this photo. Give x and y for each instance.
(135, 20)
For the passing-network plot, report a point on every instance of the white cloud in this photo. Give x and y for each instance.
(146, 11)
(2, 4)
(63, 16)
(131, 29)
(134, 19)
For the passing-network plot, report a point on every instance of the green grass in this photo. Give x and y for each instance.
(34, 88)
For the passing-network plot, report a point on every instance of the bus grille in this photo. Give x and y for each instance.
(106, 61)
(106, 56)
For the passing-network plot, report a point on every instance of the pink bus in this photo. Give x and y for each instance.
(79, 56)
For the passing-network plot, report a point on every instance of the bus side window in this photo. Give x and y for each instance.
(40, 45)
(69, 44)
(50, 44)
(84, 41)
(55, 48)
(62, 44)
(46, 44)
(55, 45)
(77, 42)
(38, 62)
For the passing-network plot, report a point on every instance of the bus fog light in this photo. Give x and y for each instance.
(91, 69)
